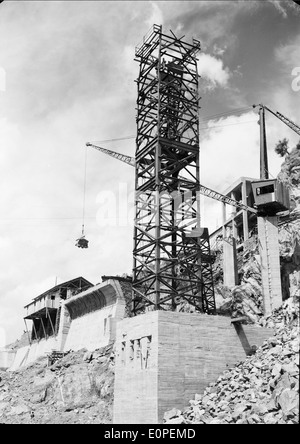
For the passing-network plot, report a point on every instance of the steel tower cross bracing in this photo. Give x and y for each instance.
(171, 257)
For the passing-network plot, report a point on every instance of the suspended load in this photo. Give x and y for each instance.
(82, 242)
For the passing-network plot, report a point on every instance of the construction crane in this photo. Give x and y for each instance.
(122, 157)
(270, 198)
(281, 117)
(205, 191)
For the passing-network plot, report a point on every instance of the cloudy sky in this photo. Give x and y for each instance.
(67, 74)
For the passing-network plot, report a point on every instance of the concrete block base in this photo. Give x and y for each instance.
(164, 358)
(6, 358)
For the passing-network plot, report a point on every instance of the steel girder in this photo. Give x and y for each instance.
(171, 253)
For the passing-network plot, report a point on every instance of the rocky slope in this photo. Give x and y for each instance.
(77, 389)
(290, 175)
(264, 389)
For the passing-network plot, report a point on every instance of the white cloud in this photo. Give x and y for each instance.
(284, 7)
(284, 97)
(156, 17)
(12, 306)
(178, 29)
(10, 139)
(212, 69)
(2, 79)
(279, 6)
(3, 339)
(218, 51)
(130, 71)
(288, 54)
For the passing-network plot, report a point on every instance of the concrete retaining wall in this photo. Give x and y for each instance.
(30, 353)
(92, 330)
(93, 316)
(164, 358)
(6, 358)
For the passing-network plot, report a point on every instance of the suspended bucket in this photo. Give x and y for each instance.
(82, 242)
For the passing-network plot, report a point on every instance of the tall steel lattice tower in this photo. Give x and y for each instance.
(172, 261)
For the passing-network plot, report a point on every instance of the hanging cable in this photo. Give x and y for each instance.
(82, 242)
(203, 120)
(225, 113)
(227, 124)
(114, 140)
(84, 191)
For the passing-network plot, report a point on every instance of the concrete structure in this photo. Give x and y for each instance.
(270, 263)
(164, 358)
(93, 315)
(271, 197)
(237, 226)
(7, 357)
(237, 223)
(85, 319)
(28, 354)
(230, 268)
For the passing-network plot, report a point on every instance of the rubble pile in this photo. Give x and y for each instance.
(264, 389)
(76, 389)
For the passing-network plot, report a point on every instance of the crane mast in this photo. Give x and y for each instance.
(281, 117)
(171, 265)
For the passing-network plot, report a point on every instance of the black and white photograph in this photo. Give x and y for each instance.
(149, 214)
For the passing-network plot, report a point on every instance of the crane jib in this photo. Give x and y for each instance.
(203, 190)
(283, 118)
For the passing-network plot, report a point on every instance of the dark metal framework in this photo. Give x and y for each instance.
(172, 261)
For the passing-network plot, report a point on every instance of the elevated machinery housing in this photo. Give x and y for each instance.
(271, 197)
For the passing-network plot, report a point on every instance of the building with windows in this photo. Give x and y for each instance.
(44, 311)
(70, 316)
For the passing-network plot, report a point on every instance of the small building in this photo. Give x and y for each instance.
(44, 310)
(74, 315)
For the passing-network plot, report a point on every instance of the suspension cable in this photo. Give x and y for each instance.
(84, 191)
